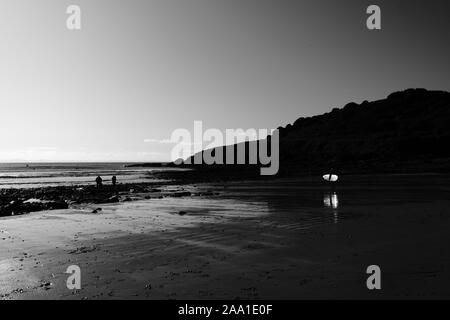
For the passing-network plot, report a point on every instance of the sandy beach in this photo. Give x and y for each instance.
(191, 154)
(281, 239)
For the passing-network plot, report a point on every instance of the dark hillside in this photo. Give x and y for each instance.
(408, 132)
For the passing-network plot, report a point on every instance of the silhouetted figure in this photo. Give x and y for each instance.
(114, 181)
(331, 178)
(332, 181)
(99, 182)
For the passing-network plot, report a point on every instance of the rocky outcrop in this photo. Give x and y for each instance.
(408, 131)
(17, 207)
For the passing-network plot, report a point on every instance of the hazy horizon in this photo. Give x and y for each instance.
(116, 89)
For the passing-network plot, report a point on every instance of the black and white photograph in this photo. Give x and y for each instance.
(246, 151)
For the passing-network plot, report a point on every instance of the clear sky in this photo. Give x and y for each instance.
(138, 69)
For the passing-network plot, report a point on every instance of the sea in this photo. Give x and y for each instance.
(38, 175)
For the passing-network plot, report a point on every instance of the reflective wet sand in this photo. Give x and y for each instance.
(284, 239)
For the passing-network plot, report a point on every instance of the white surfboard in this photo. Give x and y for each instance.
(330, 177)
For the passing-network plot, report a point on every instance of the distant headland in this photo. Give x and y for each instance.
(407, 132)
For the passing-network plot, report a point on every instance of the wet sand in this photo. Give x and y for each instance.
(274, 240)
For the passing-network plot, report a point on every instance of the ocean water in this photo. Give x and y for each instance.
(34, 175)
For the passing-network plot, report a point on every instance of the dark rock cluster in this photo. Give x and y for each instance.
(20, 201)
(17, 207)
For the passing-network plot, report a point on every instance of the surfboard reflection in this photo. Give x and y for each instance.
(331, 200)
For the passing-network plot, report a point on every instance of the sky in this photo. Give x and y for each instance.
(140, 69)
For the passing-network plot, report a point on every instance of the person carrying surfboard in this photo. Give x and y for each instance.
(330, 177)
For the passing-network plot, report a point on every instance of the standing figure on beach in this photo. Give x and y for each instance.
(114, 181)
(331, 178)
(99, 182)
